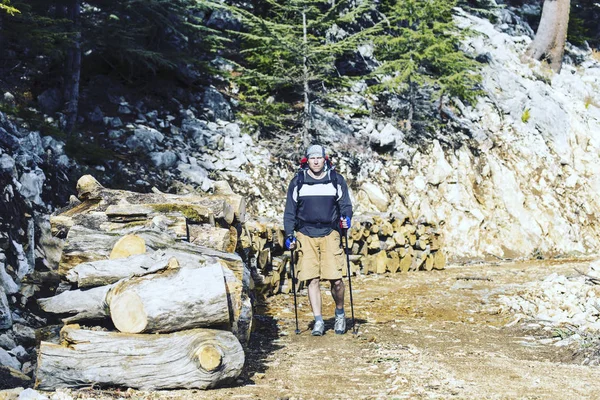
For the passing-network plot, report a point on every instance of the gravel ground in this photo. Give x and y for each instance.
(440, 334)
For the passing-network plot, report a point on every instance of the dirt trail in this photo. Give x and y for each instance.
(433, 334)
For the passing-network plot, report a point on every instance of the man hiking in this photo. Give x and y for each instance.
(317, 206)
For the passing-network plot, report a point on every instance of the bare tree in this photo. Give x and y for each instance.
(73, 65)
(550, 38)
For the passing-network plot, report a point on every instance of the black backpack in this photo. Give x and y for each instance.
(332, 178)
(300, 175)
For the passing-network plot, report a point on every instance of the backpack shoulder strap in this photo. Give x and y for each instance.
(334, 181)
(299, 183)
(300, 180)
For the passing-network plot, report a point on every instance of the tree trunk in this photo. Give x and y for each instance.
(106, 272)
(173, 300)
(215, 238)
(194, 359)
(405, 260)
(125, 206)
(93, 303)
(439, 260)
(2, 49)
(73, 67)
(86, 245)
(307, 114)
(240, 306)
(211, 210)
(85, 304)
(549, 41)
(238, 202)
(411, 106)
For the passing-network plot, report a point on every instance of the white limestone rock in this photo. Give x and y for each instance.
(376, 196)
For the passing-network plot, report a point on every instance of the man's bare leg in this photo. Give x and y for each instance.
(314, 296)
(337, 292)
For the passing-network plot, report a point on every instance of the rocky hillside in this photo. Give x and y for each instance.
(512, 177)
(515, 177)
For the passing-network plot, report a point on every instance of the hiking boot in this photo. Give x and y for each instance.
(319, 328)
(340, 324)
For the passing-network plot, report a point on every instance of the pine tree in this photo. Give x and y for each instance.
(287, 58)
(140, 38)
(6, 7)
(583, 23)
(132, 39)
(418, 46)
(37, 27)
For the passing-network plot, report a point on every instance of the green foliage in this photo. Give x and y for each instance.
(39, 29)
(277, 63)
(132, 38)
(562, 332)
(418, 44)
(88, 152)
(526, 115)
(583, 23)
(6, 7)
(415, 41)
(137, 38)
(577, 34)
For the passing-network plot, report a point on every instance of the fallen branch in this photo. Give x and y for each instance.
(473, 278)
(592, 279)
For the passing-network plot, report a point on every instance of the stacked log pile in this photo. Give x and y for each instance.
(158, 279)
(377, 243)
(393, 243)
(155, 279)
(263, 239)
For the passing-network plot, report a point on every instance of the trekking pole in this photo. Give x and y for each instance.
(354, 330)
(294, 289)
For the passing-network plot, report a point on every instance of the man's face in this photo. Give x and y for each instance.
(316, 164)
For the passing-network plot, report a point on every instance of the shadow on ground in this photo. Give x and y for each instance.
(260, 346)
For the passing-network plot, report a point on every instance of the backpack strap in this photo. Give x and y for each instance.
(299, 183)
(332, 175)
(334, 181)
(300, 180)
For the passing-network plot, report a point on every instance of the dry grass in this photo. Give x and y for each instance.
(589, 100)
(596, 54)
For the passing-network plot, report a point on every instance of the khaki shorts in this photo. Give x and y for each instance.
(320, 257)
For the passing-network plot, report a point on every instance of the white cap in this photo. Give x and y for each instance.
(315, 151)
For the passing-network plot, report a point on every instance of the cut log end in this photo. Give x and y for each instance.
(189, 359)
(88, 187)
(173, 263)
(128, 245)
(127, 313)
(209, 357)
